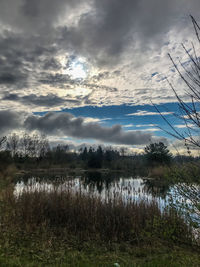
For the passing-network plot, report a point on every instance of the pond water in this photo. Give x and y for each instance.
(111, 186)
(104, 185)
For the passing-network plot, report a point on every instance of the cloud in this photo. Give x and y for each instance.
(145, 125)
(66, 124)
(10, 120)
(128, 125)
(62, 124)
(124, 45)
(89, 120)
(52, 64)
(58, 79)
(142, 126)
(108, 31)
(148, 113)
(149, 130)
(178, 147)
(50, 100)
(35, 16)
(188, 126)
(105, 75)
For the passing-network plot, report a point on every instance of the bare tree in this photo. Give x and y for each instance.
(189, 111)
(24, 143)
(34, 145)
(13, 143)
(2, 141)
(189, 115)
(43, 146)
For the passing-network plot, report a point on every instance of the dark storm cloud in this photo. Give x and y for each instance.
(30, 39)
(51, 64)
(100, 87)
(105, 75)
(8, 78)
(67, 124)
(61, 80)
(35, 16)
(49, 100)
(21, 57)
(114, 25)
(54, 79)
(10, 120)
(102, 34)
(12, 67)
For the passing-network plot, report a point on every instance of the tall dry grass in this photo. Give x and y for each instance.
(89, 217)
(7, 173)
(158, 172)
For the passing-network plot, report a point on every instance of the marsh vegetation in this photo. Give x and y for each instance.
(69, 213)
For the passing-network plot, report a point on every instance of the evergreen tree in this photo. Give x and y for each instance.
(157, 153)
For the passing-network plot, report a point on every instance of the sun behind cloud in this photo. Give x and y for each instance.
(77, 68)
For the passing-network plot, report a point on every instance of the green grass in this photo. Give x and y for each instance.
(17, 249)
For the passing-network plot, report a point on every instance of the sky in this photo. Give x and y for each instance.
(87, 72)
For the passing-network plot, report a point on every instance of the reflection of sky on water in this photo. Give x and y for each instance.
(128, 189)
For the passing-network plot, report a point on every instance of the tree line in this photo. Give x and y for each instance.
(35, 150)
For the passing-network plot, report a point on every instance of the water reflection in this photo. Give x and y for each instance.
(97, 181)
(156, 188)
(105, 185)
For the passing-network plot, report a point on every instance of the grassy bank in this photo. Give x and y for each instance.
(187, 172)
(90, 218)
(42, 249)
(74, 229)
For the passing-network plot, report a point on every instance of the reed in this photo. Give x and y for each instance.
(89, 217)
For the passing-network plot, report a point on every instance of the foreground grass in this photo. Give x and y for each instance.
(39, 249)
(88, 217)
(73, 229)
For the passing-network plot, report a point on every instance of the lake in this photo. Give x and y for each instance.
(104, 185)
(109, 186)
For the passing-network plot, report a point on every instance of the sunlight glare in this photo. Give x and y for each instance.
(78, 70)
